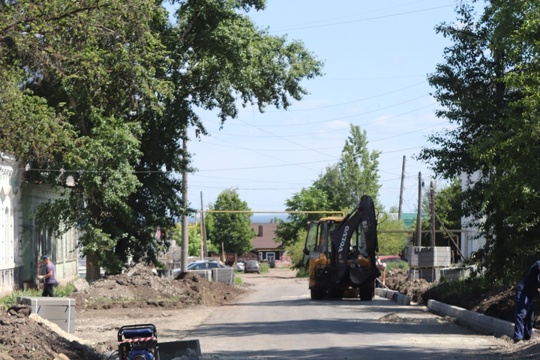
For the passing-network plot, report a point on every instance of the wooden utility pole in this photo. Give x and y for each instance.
(419, 213)
(204, 252)
(432, 209)
(401, 189)
(185, 245)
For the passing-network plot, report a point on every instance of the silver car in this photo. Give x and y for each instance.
(252, 266)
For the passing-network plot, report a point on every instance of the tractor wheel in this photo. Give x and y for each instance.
(317, 294)
(367, 292)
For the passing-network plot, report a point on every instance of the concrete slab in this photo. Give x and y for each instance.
(58, 310)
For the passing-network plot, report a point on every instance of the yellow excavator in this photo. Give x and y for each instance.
(340, 253)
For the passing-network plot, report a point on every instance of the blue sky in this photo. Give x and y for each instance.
(377, 55)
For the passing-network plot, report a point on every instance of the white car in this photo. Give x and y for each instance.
(240, 266)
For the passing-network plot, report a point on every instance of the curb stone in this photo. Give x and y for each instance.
(473, 320)
(395, 296)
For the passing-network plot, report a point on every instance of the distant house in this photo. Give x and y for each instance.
(263, 243)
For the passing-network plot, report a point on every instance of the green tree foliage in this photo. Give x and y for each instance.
(338, 189)
(310, 201)
(105, 91)
(232, 229)
(195, 241)
(296, 249)
(355, 174)
(390, 242)
(83, 82)
(488, 88)
(194, 236)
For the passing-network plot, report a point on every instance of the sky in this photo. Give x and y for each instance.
(377, 56)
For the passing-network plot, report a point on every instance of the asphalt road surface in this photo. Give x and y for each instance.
(279, 321)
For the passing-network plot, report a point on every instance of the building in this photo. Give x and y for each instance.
(264, 245)
(22, 241)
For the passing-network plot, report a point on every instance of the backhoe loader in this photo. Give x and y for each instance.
(340, 253)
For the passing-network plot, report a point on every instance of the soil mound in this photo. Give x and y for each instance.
(399, 281)
(25, 336)
(142, 287)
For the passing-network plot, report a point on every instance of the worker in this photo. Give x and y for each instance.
(49, 279)
(526, 291)
(382, 268)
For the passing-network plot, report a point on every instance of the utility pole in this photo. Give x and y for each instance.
(204, 253)
(419, 213)
(401, 189)
(432, 208)
(184, 254)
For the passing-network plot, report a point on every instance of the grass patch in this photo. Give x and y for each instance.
(238, 280)
(393, 265)
(11, 299)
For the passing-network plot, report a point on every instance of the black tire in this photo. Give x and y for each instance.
(317, 294)
(367, 292)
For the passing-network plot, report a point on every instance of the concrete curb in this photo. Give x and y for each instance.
(476, 321)
(394, 296)
(479, 322)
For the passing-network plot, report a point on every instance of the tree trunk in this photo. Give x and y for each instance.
(92, 267)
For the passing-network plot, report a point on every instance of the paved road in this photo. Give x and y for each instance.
(279, 321)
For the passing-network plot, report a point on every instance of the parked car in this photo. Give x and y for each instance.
(205, 265)
(390, 258)
(240, 266)
(252, 266)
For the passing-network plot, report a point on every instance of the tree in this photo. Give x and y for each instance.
(391, 243)
(338, 189)
(105, 91)
(448, 214)
(309, 200)
(488, 89)
(355, 174)
(218, 60)
(82, 83)
(232, 229)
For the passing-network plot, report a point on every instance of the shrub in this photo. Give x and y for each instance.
(265, 267)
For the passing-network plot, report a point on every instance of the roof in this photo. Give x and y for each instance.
(265, 235)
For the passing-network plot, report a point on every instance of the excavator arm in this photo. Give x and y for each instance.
(361, 218)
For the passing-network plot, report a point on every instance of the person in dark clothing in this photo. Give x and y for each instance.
(49, 279)
(526, 291)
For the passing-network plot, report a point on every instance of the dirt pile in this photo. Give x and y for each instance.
(398, 280)
(28, 337)
(24, 337)
(142, 287)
